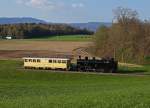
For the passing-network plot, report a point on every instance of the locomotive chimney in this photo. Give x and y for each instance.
(86, 58)
(80, 57)
(94, 58)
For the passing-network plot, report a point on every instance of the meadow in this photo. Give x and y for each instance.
(75, 38)
(21, 88)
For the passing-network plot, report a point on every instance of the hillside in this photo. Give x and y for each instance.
(92, 26)
(17, 20)
(28, 31)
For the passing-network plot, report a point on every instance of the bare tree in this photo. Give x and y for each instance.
(128, 39)
(125, 15)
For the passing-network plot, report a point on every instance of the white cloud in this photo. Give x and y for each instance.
(42, 4)
(20, 1)
(49, 4)
(77, 5)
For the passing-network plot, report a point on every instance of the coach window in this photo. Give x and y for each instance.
(26, 60)
(34, 60)
(50, 61)
(54, 61)
(63, 61)
(59, 61)
(30, 60)
(38, 60)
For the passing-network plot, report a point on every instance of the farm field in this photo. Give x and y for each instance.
(75, 38)
(21, 88)
(40, 45)
(21, 48)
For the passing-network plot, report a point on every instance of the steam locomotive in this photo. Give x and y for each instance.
(84, 65)
(96, 65)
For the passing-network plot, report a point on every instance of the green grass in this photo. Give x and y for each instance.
(143, 70)
(75, 38)
(41, 89)
(66, 38)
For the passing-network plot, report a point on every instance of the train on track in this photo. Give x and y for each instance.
(65, 64)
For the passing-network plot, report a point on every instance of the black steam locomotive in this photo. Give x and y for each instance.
(96, 65)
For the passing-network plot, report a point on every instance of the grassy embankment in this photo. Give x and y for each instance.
(41, 89)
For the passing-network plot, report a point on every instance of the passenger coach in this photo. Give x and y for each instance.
(82, 64)
(47, 63)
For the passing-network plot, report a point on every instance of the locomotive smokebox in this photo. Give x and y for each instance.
(94, 58)
(79, 57)
(86, 58)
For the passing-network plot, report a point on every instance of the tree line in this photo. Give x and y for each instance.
(127, 40)
(28, 30)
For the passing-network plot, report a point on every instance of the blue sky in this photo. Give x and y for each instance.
(71, 10)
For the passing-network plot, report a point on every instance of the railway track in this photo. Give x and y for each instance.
(90, 73)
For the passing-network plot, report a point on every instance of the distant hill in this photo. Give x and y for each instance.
(17, 20)
(92, 26)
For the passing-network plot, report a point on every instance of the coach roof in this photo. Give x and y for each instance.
(49, 58)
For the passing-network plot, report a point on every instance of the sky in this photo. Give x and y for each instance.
(67, 11)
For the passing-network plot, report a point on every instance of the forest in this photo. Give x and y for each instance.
(127, 40)
(28, 30)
